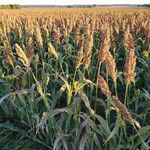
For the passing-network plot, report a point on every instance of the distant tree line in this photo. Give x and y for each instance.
(147, 5)
(82, 6)
(11, 6)
(17, 6)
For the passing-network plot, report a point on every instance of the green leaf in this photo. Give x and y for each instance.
(83, 141)
(85, 99)
(114, 131)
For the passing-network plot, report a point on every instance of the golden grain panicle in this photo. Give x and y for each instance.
(105, 44)
(88, 51)
(9, 57)
(130, 66)
(122, 109)
(21, 55)
(51, 50)
(103, 86)
(111, 66)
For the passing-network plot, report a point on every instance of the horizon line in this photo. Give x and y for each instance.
(74, 4)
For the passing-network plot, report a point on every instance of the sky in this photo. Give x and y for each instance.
(71, 2)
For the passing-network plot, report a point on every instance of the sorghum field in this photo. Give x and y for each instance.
(75, 79)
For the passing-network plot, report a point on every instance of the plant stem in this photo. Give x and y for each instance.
(126, 94)
(107, 76)
(95, 71)
(74, 77)
(78, 132)
(121, 133)
(84, 72)
(115, 84)
(140, 136)
(59, 62)
(125, 133)
(95, 102)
